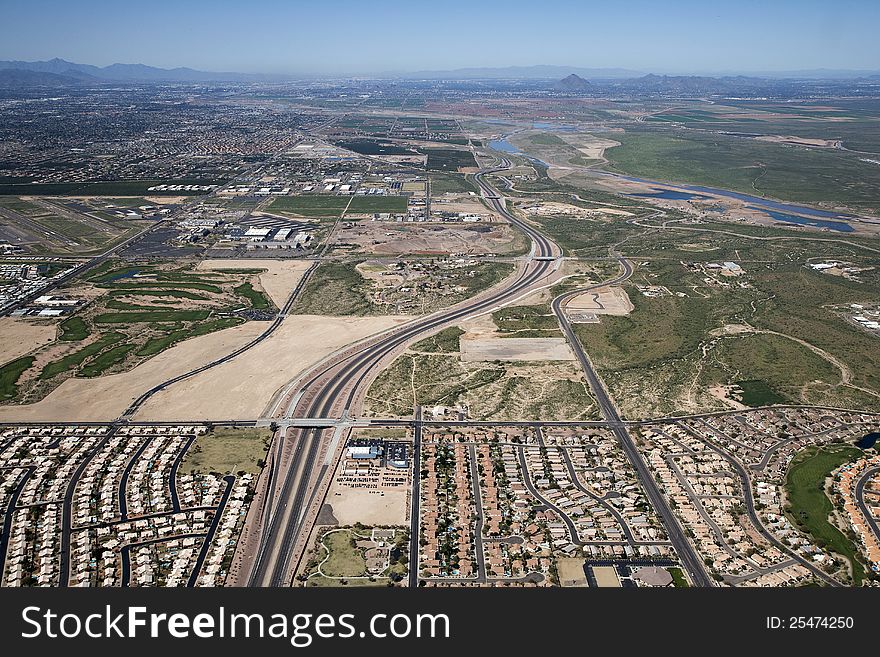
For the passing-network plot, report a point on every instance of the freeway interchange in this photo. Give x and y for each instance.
(303, 460)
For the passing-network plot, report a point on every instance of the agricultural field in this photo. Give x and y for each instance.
(447, 159)
(443, 183)
(376, 204)
(314, 205)
(130, 313)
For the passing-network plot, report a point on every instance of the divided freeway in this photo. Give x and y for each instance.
(334, 388)
(336, 385)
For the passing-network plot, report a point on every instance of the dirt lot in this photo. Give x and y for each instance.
(19, 336)
(571, 572)
(368, 507)
(604, 301)
(384, 238)
(606, 576)
(105, 398)
(279, 279)
(244, 386)
(553, 209)
(515, 349)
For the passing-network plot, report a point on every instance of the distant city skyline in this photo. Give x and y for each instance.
(358, 38)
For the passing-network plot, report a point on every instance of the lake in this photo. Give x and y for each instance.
(868, 441)
(789, 218)
(671, 195)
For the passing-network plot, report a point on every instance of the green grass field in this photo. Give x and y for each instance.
(376, 204)
(678, 578)
(162, 342)
(314, 205)
(152, 316)
(344, 560)
(73, 329)
(98, 365)
(228, 451)
(257, 299)
(9, 375)
(443, 159)
(77, 358)
(809, 506)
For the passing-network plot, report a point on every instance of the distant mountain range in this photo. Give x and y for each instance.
(59, 73)
(540, 72)
(13, 77)
(73, 73)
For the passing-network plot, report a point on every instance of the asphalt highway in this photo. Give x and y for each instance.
(335, 386)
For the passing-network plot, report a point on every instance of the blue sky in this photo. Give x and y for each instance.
(350, 37)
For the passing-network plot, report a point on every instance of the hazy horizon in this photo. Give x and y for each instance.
(349, 38)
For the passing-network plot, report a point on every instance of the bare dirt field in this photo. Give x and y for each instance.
(19, 336)
(383, 238)
(462, 203)
(244, 386)
(105, 398)
(604, 301)
(515, 349)
(800, 141)
(553, 209)
(279, 279)
(368, 507)
(606, 576)
(571, 572)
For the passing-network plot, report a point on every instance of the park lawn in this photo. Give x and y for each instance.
(808, 505)
(228, 451)
(344, 560)
(678, 579)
